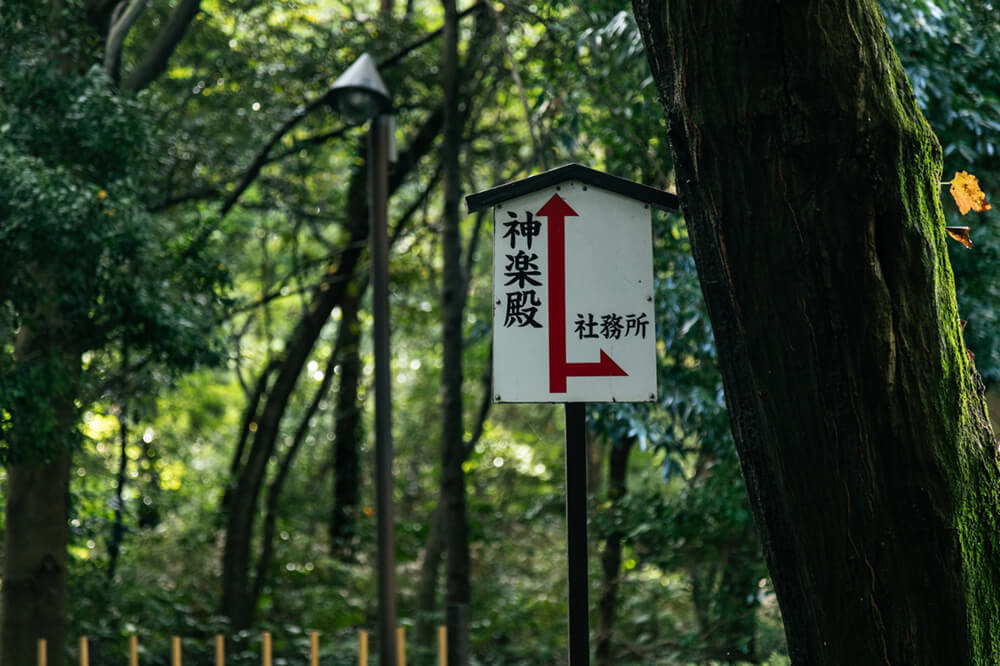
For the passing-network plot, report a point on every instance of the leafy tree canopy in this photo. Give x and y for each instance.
(85, 263)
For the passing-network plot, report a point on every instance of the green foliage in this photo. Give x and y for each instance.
(83, 259)
(697, 527)
(701, 525)
(25, 409)
(949, 50)
(104, 195)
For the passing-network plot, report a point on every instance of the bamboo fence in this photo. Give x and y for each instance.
(266, 656)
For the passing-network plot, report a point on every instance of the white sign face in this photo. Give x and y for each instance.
(573, 297)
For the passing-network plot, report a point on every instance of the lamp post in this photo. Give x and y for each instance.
(361, 95)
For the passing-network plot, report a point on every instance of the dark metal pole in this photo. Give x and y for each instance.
(378, 188)
(576, 533)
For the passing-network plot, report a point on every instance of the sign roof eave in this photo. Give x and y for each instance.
(628, 188)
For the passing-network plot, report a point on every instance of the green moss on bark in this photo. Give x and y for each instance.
(816, 224)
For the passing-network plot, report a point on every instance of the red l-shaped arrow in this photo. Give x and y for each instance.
(556, 210)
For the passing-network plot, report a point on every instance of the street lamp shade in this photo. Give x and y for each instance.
(360, 93)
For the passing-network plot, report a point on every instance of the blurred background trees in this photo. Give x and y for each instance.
(186, 339)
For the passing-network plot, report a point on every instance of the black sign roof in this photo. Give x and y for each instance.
(500, 193)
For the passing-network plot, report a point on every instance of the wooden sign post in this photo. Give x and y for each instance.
(573, 318)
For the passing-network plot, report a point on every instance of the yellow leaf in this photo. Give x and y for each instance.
(968, 196)
(102, 195)
(961, 234)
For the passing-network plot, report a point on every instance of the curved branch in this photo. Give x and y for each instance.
(154, 62)
(250, 175)
(485, 403)
(262, 155)
(121, 24)
(414, 45)
(278, 483)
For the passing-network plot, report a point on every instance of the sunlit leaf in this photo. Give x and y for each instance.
(961, 234)
(965, 189)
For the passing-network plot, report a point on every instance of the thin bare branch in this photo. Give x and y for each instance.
(515, 75)
(262, 155)
(484, 408)
(473, 247)
(414, 45)
(405, 218)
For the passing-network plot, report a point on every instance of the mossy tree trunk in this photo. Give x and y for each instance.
(811, 188)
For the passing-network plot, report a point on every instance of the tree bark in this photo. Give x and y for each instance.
(281, 475)
(34, 586)
(118, 525)
(237, 597)
(37, 498)
(242, 500)
(122, 20)
(427, 586)
(810, 183)
(453, 500)
(154, 62)
(347, 430)
(611, 557)
(247, 424)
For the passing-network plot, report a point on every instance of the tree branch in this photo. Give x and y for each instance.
(301, 112)
(484, 408)
(473, 247)
(515, 75)
(115, 381)
(250, 175)
(261, 160)
(414, 45)
(262, 155)
(274, 490)
(194, 195)
(121, 23)
(404, 219)
(154, 62)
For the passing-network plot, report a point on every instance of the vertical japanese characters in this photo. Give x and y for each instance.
(523, 278)
(523, 282)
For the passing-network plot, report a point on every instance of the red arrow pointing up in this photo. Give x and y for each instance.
(557, 210)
